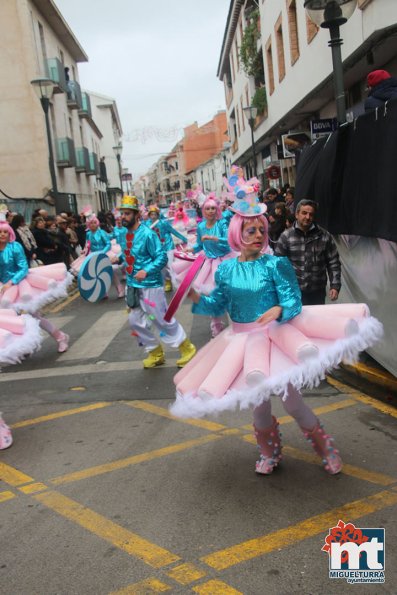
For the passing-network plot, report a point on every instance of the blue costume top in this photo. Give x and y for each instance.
(227, 216)
(246, 290)
(13, 264)
(211, 248)
(119, 234)
(149, 256)
(166, 229)
(99, 240)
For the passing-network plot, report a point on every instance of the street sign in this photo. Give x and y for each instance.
(324, 127)
(293, 143)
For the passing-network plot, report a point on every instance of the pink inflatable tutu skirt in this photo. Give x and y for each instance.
(205, 280)
(114, 254)
(19, 336)
(247, 363)
(41, 286)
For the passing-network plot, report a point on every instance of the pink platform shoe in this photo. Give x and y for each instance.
(323, 444)
(269, 444)
(63, 342)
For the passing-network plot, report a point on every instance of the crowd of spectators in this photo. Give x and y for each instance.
(280, 212)
(54, 238)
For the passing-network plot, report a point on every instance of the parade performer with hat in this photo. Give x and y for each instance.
(165, 231)
(145, 258)
(212, 240)
(274, 346)
(28, 290)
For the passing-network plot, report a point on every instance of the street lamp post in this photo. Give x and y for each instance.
(331, 14)
(251, 113)
(117, 151)
(44, 88)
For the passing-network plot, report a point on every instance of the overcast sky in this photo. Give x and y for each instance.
(158, 59)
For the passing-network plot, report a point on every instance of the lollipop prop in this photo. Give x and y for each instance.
(95, 277)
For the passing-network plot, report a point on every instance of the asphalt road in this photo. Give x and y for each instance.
(104, 492)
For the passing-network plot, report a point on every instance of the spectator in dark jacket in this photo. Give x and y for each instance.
(313, 254)
(24, 236)
(47, 250)
(382, 87)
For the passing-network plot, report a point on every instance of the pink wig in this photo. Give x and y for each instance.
(94, 219)
(7, 227)
(212, 201)
(236, 227)
(180, 215)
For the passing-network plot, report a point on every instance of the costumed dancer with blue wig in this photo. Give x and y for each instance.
(165, 231)
(274, 346)
(145, 259)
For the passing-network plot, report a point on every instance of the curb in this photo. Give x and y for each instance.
(378, 376)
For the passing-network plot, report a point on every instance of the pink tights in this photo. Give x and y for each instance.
(46, 325)
(294, 406)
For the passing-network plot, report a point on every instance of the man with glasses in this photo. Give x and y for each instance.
(313, 254)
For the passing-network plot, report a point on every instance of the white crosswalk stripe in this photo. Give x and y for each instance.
(92, 344)
(94, 341)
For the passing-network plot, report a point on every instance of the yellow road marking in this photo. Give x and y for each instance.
(199, 423)
(363, 398)
(63, 304)
(185, 573)
(287, 419)
(358, 472)
(37, 420)
(97, 524)
(4, 496)
(150, 585)
(231, 432)
(292, 535)
(12, 476)
(133, 460)
(32, 488)
(215, 587)
(382, 378)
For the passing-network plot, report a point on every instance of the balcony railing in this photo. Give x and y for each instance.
(75, 100)
(85, 111)
(56, 72)
(93, 165)
(65, 152)
(82, 160)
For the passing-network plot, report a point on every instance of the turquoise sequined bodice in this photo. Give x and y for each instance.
(246, 290)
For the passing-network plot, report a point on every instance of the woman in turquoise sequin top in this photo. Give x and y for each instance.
(274, 346)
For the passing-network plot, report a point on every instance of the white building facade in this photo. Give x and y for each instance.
(36, 42)
(297, 73)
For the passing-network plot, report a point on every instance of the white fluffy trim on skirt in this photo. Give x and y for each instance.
(17, 346)
(37, 298)
(231, 373)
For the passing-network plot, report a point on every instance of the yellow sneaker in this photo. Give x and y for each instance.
(188, 351)
(168, 285)
(155, 358)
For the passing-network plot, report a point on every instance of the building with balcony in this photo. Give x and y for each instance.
(37, 42)
(288, 74)
(175, 173)
(106, 115)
